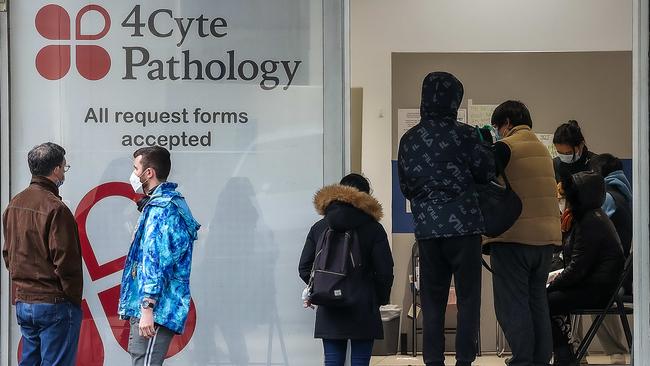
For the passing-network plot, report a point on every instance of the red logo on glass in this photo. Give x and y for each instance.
(53, 61)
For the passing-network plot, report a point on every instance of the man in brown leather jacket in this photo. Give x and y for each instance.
(43, 256)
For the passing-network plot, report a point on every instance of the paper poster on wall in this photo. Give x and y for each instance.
(406, 119)
(547, 140)
(462, 115)
(238, 116)
(479, 114)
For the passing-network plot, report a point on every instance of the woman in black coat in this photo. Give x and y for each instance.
(349, 206)
(593, 259)
(573, 154)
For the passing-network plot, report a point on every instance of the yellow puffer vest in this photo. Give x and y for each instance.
(531, 175)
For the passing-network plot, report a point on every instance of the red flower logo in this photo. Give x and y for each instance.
(53, 61)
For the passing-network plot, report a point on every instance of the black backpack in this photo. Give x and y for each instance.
(338, 255)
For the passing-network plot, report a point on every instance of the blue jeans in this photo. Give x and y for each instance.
(50, 333)
(336, 349)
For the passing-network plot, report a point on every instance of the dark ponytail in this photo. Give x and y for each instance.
(568, 133)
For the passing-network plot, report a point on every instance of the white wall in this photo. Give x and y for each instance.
(379, 27)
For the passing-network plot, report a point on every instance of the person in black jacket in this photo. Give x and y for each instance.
(440, 162)
(618, 207)
(618, 197)
(349, 206)
(573, 154)
(593, 259)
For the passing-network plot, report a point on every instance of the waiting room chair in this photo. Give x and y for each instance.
(615, 306)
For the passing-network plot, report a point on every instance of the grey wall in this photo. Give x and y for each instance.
(594, 88)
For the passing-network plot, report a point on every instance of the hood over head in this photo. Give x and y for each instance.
(618, 180)
(166, 194)
(586, 191)
(346, 207)
(442, 94)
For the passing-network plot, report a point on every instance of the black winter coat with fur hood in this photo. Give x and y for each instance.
(345, 208)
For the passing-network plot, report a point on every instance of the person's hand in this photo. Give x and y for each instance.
(560, 191)
(307, 304)
(551, 277)
(146, 326)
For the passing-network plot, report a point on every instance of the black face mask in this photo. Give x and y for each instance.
(142, 202)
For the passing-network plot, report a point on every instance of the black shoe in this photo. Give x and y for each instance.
(564, 356)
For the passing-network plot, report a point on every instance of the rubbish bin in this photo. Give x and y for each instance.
(390, 319)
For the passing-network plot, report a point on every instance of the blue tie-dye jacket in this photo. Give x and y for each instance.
(160, 259)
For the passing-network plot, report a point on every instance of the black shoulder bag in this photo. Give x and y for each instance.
(500, 206)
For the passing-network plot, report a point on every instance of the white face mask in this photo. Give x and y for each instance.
(562, 204)
(135, 183)
(569, 158)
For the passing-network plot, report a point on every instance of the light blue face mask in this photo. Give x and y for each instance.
(497, 135)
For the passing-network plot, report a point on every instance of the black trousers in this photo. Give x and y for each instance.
(563, 301)
(519, 285)
(439, 260)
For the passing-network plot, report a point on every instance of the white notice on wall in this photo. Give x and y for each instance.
(479, 114)
(406, 118)
(462, 115)
(547, 140)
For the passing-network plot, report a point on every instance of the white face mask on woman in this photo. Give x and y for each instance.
(569, 158)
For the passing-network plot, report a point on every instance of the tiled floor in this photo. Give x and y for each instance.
(481, 361)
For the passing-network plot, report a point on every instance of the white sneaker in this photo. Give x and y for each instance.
(618, 359)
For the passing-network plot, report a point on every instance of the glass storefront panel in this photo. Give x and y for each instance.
(237, 92)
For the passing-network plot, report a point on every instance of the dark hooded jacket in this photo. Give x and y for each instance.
(618, 206)
(346, 208)
(440, 161)
(592, 251)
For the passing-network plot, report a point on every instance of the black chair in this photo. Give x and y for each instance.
(615, 306)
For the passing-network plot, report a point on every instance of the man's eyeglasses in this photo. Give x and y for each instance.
(66, 168)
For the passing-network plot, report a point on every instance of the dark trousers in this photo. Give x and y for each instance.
(50, 333)
(335, 351)
(439, 260)
(563, 301)
(519, 284)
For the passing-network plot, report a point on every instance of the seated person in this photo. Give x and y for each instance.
(593, 259)
(618, 207)
(618, 197)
